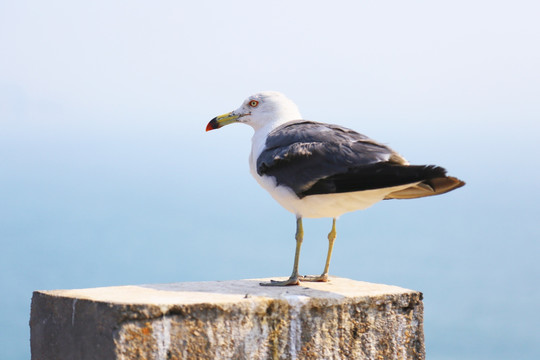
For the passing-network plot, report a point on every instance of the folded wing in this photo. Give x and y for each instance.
(314, 158)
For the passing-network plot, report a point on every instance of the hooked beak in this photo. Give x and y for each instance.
(222, 120)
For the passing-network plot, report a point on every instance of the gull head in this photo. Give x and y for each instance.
(263, 109)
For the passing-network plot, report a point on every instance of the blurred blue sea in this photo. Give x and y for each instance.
(108, 178)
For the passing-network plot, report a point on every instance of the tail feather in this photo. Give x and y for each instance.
(435, 186)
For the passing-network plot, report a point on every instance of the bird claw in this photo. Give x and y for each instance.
(314, 278)
(290, 281)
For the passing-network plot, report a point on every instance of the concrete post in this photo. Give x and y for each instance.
(341, 319)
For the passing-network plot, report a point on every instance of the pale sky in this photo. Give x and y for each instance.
(180, 55)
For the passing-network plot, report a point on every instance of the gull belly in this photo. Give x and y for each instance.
(324, 205)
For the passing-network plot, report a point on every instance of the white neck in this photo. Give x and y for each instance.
(262, 129)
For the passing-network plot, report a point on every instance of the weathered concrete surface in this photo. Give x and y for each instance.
(342, 319)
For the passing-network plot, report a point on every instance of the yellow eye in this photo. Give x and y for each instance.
(253, 103)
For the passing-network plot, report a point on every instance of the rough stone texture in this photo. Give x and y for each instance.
(341, 319)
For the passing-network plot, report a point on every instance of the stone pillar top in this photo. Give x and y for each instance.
(231, 291)
(238, 319)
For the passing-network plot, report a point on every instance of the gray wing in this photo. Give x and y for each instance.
(303, 154)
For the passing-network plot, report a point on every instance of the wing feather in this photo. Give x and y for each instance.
(316, 158)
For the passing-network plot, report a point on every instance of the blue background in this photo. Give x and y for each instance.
(108, 178)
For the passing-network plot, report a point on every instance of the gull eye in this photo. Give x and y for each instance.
(253, 103)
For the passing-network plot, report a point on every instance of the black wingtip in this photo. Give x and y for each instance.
(434, 171)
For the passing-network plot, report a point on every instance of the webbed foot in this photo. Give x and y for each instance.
(293, 280)
(314, 278)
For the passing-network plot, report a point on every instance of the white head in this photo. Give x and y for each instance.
(267, 108)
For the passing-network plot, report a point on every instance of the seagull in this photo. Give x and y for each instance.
(319, 170)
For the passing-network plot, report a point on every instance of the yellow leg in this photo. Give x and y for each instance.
(293, 279)
(324, 276)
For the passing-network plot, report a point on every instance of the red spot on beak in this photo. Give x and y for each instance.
(213, 124)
